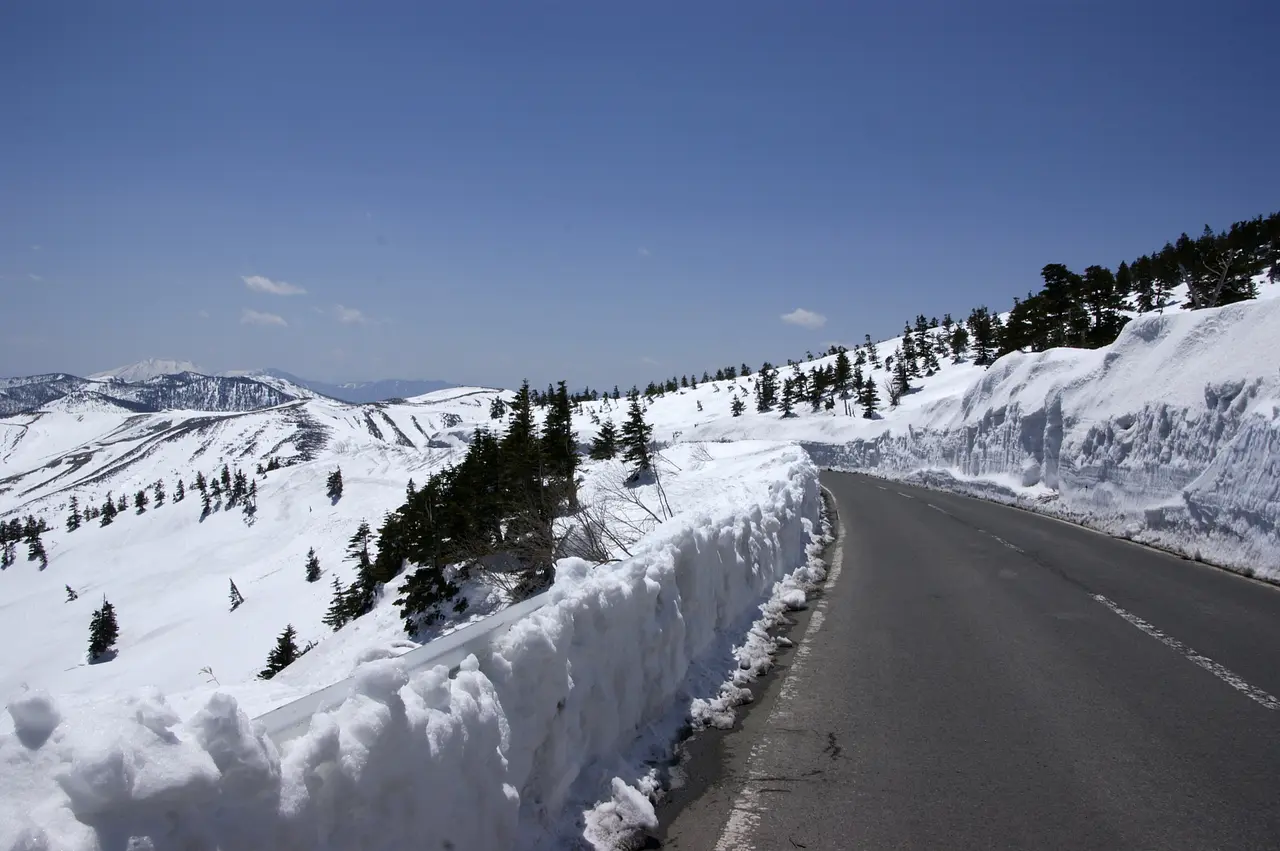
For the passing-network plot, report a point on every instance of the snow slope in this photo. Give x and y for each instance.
(489, 759)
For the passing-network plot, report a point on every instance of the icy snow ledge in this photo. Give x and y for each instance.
(1169, 436)
(484, 760)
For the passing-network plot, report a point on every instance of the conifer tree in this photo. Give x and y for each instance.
(872, 354)
(313, 565)
(122, 504)
(901, 379)
(333, 485)
(636, 435)
(559, 444)
(788, 396)
(283, 655)
(160, 494)
(201, 485)
(236, 598)
(959, 342)
(766, 388)
(71, 594)
(206, 505)
(604, 446)
(497, 408)
(108, 511)
(225, 478)
(843, 374)
(736, 407)
(337, 615)
(103, 632)
(73, 515)
(35, 551)
(140, 501)
(363, 592)
(869, 398)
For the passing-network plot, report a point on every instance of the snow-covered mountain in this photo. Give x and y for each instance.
(189, 391)
(147, 369)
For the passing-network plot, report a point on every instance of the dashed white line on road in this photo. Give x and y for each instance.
(1013, 547)
(907, 495)
(936, 508)
(1205, 662)
(882, 488)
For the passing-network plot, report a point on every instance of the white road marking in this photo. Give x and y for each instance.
(936, 508)
(744, 817)
(882, 488)
(1205, 662)
(1013, 547)
(907, 495)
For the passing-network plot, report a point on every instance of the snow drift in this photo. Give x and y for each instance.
(483, 760)
(1170, 435)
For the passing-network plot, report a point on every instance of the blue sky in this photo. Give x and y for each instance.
(602, 192)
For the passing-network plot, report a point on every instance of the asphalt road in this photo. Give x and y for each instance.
(979, 677)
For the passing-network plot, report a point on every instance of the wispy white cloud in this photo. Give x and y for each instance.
(350, 316)
(643, 252)
(203, 314)
(254, 317)
(263, 284)
(33, 276)
(35, 248)
(804, 318)
(650, 361)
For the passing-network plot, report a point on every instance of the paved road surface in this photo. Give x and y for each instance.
(980, 677)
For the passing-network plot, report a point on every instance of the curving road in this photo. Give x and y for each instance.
(980, 677)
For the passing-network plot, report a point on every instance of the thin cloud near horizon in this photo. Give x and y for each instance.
(804, 318)
(263, 284)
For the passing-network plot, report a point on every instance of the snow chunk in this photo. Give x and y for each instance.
(35, 717)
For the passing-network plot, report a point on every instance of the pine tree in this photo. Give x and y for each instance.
(869, 398)
(958, 341)
(336, 617)
(788, 396)
(35, 551)
(140, 501)
(872, 354)
(73, 516)
(497, 408)
(333, 485)
(71, 594)
(901, 379)
(225, 477)
(363, 592)
(237, 599)
(843, 374)
(108, 511)
(103, 632)
(205, 503)
(604, 447)
(766, 388)
(636, 435)
(560, 444)
(313, 565)
(122, 504)
(201, 485)
(737, 406)
(283, 655)
(159, 488)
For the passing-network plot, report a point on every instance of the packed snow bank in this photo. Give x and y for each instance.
(1170, 436)
(487, 759)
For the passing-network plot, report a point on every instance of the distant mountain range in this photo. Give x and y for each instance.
(167, 385)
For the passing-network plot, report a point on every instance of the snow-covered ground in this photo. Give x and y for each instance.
(490, 759)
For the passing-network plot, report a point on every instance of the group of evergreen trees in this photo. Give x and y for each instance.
(494, 511)
(226, 489)
(28, 531)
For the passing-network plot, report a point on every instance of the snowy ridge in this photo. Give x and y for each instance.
(488, 759)
(147, 369)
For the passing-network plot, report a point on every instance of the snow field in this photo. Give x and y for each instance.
(489, 759)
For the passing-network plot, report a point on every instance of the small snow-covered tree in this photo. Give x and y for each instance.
(159, 498)
(179, 491)
(338, 614)
(103, 632)
(737, 406)
(236, 598)
(604, 446)
(140, 501)
(73, 514)
(313, 565)
(71, 594)
(333, 485)
(636, 435)
(284, 654)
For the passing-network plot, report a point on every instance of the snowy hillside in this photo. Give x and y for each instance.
(183, 391)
